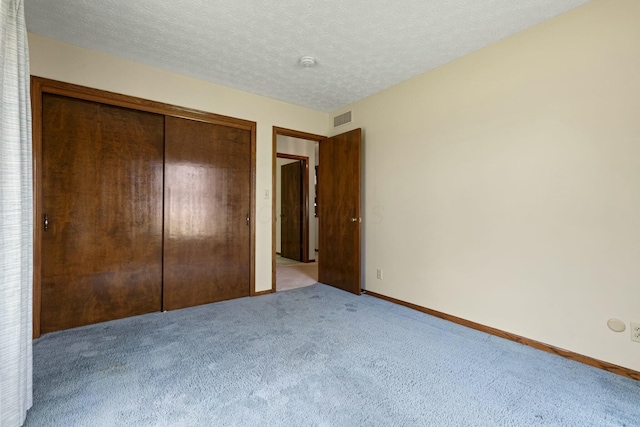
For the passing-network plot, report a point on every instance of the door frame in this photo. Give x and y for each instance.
(305, 202)
(40, 85)
(274, 155)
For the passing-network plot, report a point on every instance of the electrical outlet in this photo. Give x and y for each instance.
(635, 332)
(379, 273)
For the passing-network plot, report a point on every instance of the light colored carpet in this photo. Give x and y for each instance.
(296, 276)
(313, 356)
(280, 260)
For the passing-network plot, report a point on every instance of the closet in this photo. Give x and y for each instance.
(140, 206)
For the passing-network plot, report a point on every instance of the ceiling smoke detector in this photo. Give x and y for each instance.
(307, 61)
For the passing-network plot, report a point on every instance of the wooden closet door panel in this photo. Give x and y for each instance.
(207, 201)
(102, 195)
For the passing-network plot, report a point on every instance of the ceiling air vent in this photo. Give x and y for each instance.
(342, 119)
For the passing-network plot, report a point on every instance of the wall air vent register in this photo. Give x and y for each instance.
(342, 119)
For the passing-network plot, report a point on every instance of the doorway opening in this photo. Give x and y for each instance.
(337, 205)
(295, 235)
(295, 226)
(295, 223)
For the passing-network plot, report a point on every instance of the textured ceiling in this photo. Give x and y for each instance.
(361, 46)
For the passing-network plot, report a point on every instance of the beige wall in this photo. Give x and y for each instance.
(61, 61)
(504, 187)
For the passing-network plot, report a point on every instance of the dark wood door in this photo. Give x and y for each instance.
(291, 211)
(339, 211)
(102, 197)
(207, 204)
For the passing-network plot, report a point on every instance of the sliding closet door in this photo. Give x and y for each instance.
(102, 212)
(207, 203)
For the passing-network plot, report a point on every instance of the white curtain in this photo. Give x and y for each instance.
(16, 218)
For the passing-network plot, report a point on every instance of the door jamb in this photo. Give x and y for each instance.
(274, 154)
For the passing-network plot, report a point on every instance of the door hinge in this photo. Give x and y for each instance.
(248, 219)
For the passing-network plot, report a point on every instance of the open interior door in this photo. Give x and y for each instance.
(339, 211)
(291, 211)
